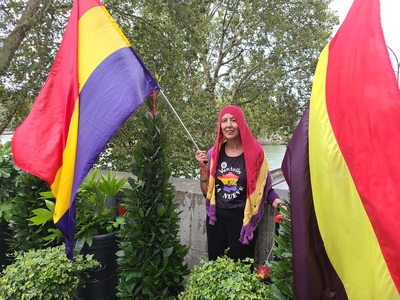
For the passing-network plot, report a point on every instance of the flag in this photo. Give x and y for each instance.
(95, 83)
(314, 275)
(345, 205)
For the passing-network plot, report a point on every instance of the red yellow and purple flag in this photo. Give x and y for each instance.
(95, 83)
(342, 169)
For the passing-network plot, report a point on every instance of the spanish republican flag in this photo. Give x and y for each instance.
(345, 185)
(96, 81)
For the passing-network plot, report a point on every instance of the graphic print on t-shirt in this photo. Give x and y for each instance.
(231, 182)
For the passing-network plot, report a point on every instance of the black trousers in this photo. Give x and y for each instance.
(223, 237)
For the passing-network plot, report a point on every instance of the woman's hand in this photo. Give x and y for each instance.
(201, 157)
(278, 203)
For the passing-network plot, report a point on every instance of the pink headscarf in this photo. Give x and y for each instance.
(252, 149)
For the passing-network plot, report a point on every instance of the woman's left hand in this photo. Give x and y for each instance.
(278, 203)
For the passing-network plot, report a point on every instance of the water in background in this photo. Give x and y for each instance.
(5, 138)
(275, 154)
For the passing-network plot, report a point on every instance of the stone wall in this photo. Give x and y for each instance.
(193, 225)
(193, 215)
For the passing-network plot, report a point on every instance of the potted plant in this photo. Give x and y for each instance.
(97, 203)
(97, 219)
(44, 274)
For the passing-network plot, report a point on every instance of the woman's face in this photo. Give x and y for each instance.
(229, 127)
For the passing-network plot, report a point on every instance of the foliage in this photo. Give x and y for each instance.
(24, 237)
(97, 206)
(8, 179)
(151, 260)
(260, 55)
(224, 279)
(96, 209)
(29, 51)
(44, 274)
(18, 194)
(282, 287)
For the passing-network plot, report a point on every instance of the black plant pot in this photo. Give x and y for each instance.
(5, 233)
(103, 281)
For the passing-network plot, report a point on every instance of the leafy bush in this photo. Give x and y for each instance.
(44, 274)
(8, 179)
(282, 287)
(18, 194)
(24, 236)
(224, 279)
(151, 259)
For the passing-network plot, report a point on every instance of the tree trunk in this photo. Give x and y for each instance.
(15, 38)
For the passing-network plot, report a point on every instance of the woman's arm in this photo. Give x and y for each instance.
(273, 198)
(201, 157)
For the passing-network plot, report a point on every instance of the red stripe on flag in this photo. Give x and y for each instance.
(363, 103)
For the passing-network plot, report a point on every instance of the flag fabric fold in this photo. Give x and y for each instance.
(95, 83)
(353, 142)
(314, 275)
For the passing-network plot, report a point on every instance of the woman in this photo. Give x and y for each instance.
(235, 179)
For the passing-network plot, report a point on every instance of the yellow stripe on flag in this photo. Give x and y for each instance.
(346, 231)
(95, 27)
(62, 185)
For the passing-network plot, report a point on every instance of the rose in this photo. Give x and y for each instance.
(121, 208)
(263, 272)
(279, 218)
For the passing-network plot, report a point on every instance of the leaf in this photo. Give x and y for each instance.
(50, 205)
(42, 216)
(167, 252)
(47, 195)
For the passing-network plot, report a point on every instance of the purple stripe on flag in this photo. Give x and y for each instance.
(314, 276)
(113, 91)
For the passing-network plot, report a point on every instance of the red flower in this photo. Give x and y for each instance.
(121, 208)
(263, 272)
(279, 218)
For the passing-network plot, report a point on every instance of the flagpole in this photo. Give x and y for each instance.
(176, 114)
(397, 62)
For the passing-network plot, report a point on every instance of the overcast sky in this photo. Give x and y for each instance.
(390, 19)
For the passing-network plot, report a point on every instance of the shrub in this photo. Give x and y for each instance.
(44, 274)
(25, 237)
(151, 259)
(224, 279)
(8, 179)
(18, 193)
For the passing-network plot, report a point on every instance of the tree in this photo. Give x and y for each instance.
(27, 53)
(14, 40)
(260, 55)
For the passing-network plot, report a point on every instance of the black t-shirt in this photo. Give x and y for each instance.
(230, 181)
